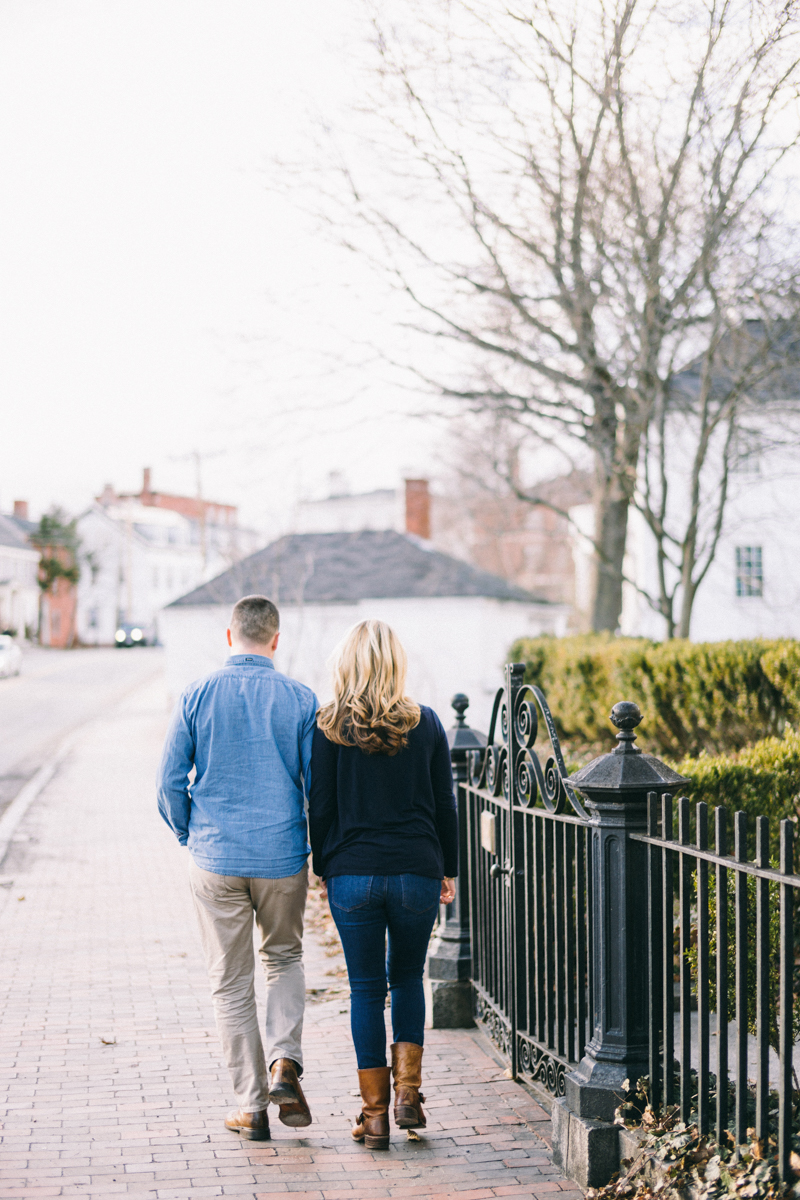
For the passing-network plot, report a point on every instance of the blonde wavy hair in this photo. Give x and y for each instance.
(369, 707)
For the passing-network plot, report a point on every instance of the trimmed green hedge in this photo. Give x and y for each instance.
(781, 665)
(713, 697)
(762, 780)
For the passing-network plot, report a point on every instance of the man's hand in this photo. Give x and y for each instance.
(448, 891)
(323, 889)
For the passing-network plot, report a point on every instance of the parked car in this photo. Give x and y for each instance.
(10, 656)
(130, 634)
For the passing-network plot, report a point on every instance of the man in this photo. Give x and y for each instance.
(246, 730)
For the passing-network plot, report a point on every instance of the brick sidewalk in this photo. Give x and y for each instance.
(114, 1083)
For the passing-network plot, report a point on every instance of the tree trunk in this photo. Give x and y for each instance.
(687, 604)
(611, 529)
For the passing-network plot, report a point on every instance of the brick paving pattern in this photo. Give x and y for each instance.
(109, 1063)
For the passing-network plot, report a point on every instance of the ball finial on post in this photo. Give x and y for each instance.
(460, 703)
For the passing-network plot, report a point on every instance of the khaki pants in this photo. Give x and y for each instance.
(225, 906)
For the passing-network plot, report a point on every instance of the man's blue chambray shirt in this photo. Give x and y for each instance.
(247, 730)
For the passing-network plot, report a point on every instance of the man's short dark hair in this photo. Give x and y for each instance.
(255, 619)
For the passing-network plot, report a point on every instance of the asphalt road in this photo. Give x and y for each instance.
(57, 691)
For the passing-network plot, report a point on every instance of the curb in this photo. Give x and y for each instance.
(26, 796)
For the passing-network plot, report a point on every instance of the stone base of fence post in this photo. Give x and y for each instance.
(448, 1004)
(594, 1089)
(586, 1150)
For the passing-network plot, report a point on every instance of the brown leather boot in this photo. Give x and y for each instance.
(252, 1125)
(285, 1091)
(407, 1071)
(372, 1123)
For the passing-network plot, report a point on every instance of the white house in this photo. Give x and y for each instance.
(133, 561)
(456, 622)
(19, 588)
(347, 512)
(752, 586)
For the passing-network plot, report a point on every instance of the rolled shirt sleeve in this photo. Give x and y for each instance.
(306, 742)
(177, 760)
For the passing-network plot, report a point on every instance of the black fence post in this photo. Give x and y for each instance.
(616, 785)
(448, 986)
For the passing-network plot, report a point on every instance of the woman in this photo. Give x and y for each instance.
(384, 833)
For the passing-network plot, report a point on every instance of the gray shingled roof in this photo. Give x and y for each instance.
(341, 568)
(12, 535)
(774, 352)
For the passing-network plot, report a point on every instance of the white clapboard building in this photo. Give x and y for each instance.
(19, 587)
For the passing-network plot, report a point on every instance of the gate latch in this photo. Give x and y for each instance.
(496, 871)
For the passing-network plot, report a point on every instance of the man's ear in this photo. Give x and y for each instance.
(228, 635)
(274, 646)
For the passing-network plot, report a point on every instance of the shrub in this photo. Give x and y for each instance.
(762, 780)
(715, 696)
(781, 665)
(773, 956)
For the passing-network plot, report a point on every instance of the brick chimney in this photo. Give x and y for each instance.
(21, 509)
(418, 508)
(146, 476)
(108, 496)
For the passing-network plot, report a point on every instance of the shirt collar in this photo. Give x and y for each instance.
(250, 660)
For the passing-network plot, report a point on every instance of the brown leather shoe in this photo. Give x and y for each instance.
(285, 1091)
(372, 1123)
(252, 1125)
(407, 1071)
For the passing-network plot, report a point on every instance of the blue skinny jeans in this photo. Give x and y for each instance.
(364, 908)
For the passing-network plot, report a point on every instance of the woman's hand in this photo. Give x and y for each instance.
(448, 891)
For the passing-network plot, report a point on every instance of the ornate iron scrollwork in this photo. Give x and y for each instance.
(525, 850)
(542, 1067)
(495, 1024)
(527, 778)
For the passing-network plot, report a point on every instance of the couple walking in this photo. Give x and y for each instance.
(371, 770)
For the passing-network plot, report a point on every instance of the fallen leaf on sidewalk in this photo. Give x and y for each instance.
(413, 1136)
(109, 1041)
(20, 897)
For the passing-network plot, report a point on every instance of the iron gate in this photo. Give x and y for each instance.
(528, 839)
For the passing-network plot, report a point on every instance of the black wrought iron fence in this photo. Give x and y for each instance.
(530, 892)
(721, 909)
(584, 919)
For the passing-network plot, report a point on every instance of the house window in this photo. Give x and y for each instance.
(747, 451)
(749, 571)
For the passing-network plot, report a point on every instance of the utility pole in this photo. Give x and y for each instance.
(197, 456)
(129, 565)
(198, 474)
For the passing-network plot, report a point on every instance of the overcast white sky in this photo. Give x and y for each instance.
(158, 293)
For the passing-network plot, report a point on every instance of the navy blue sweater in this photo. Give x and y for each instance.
(376, 814)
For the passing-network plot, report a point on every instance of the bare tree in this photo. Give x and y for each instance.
(737, 400)
(576, 189)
